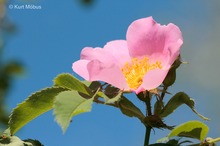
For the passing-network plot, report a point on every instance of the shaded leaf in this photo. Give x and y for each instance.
(95, 85)
(68, 81)
(156, 121)
(173, 142)
(129, 109)
(158, 107)
(176, 101)
(141, 96)
(114, 99)
(111, 91)
(69, 104)
(191, 129)
(35, 105)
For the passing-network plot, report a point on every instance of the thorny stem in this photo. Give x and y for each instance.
(148, 113)
(148, 103)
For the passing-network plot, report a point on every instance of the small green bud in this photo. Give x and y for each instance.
(171, 76)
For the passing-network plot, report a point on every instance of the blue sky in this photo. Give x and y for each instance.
(49, 39)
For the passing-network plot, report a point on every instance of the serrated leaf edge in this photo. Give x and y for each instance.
(28, 98)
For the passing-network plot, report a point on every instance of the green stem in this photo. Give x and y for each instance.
(148, 113)
(147, 136)
(148, 104)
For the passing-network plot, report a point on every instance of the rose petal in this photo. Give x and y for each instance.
(112, 74)
(104, 65)
(152, 80)
(80, 67)
(140, 37)
(119, 50)
(145, 37)
(89, 53)
(173, 42)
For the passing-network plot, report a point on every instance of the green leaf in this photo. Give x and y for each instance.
(176, 101)
(129, 109)
(101, 94)
(191, 129)
(95, 85)
(35, 105)
(158, 107)
(109, 100)
(69, 104)
(114, 99)
(68, 81)
(111, 91)
(87, 83)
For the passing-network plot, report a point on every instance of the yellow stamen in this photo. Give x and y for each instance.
(135, 70)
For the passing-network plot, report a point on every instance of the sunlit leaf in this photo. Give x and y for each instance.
(176, 101)
(35, 105)
(191, 129)
(102, 95)
(69, 104)
(68, 81)
(129, 109)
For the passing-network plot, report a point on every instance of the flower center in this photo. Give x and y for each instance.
(135, 70)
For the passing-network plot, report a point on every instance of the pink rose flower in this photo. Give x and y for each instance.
(139, 63)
